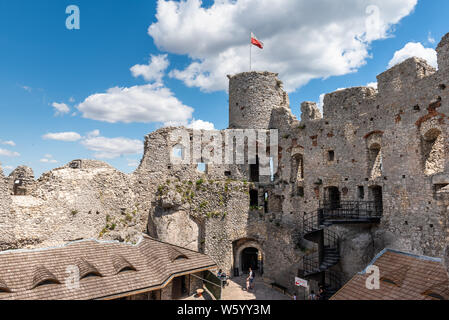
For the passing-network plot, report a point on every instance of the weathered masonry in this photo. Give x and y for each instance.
(371, 172)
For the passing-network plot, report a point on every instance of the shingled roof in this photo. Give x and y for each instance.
(107, 269)
(403, 276)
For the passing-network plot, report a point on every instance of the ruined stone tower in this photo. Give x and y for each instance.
(252, 98)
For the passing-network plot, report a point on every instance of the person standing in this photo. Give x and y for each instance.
(312, 295)
(250, 278)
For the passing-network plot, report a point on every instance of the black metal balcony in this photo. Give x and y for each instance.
(347, 212)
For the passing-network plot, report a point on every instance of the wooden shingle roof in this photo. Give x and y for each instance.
(403, 276)
(107, 269)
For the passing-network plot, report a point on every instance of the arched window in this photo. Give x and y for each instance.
(298, 168)
(201, 167)
(433, 152)
(375, 161)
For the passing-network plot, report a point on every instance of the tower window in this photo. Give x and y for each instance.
(253, 198)
(297, 168)
(433, 152)
(375, 161)
(331, 155)
(300, 192)
(178, 152)
(202, 167)
(254, 171)
(361, 192)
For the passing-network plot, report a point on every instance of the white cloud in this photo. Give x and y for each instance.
(45, 160)
(201, 125)
(146, 103)
(60, 108)
(62, 136)
(8, 153)
(9, 143)
(48, 158)
(154, 71)
(110, 148)
(414, 49)
(71, 99)
(132, 163)
(28, 89)
(93, 133)
(320, 102)
(8, 167)
(303, 39)
(372, 85)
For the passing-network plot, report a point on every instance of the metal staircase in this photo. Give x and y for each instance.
(317, 265)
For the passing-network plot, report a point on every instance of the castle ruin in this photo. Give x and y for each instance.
(371, 173)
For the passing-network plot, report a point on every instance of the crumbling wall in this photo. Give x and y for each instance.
(7, 239)
(21, 181)
(72, 202)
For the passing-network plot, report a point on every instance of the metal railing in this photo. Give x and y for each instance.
(331, 240)
(312, 263)
(351, 210)
(312, 221)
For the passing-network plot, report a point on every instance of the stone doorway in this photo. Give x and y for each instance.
(332, 197)
(254, 171)
(376, 196)
(248, 253)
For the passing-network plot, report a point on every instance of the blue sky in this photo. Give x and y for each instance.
(42, 63)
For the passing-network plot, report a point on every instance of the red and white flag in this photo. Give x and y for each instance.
(256, 41)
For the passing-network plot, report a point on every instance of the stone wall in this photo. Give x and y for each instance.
(7, 222)
(70, 203)
(21, 181)
(390, 142)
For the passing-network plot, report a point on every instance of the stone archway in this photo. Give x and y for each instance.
(245, 251)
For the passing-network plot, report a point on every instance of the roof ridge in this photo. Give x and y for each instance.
(24, 250)
(412, 255)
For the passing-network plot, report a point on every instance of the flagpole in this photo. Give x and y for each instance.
(250, 44)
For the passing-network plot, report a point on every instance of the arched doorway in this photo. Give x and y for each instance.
(249, 259)
(247, 253)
